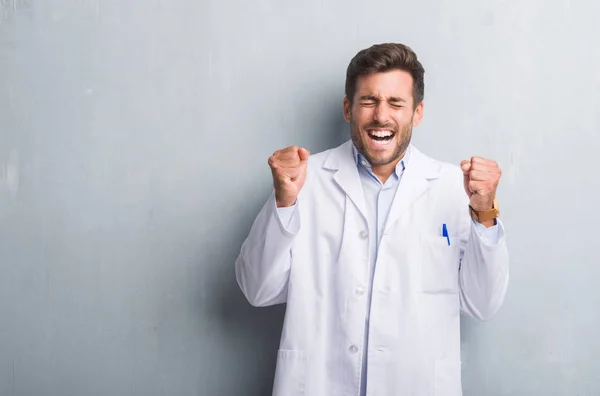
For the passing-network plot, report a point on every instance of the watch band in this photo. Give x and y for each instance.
(485, 215)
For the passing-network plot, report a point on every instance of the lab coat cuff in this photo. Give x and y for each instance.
(287, 217)
(492, 236)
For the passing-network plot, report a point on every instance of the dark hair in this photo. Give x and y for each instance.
(381, 58)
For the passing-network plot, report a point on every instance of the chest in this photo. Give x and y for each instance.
(413, 253)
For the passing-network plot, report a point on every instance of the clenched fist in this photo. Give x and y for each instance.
(288, 167)
(481, 178)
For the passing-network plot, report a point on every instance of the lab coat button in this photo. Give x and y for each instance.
(353, 349)
(364, 234)
(359, 291)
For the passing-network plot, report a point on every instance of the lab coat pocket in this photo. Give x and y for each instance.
(290, 373)
(439, 265)
(448, 378)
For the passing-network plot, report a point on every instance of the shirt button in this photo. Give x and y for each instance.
(359, 291)
(364, 234)
(364, 163)
(353, 349)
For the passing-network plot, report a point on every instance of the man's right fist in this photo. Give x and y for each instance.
(288, 167)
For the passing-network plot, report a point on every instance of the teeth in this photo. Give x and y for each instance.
(381, 134)
(383, 142)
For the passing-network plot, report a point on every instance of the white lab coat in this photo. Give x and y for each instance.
(319, 265)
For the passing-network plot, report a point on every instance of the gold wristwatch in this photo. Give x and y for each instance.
(485, 215)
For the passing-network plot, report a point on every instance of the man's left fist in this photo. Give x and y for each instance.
(481, 180)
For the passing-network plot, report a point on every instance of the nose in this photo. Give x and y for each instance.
(382, 114)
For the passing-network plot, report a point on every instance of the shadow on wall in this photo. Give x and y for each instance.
(256, 331)
(252, 333)
(333, 129)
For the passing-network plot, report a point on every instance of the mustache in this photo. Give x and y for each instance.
(377, 125)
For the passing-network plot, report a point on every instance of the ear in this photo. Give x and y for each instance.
(347, 109)
(418, 114)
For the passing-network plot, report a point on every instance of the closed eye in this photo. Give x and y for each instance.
(397, 103)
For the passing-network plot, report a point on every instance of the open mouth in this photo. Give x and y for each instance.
(381, 137)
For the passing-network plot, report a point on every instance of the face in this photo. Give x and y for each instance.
(382, 115)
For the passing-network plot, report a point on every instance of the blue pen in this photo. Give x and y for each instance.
(445, 233)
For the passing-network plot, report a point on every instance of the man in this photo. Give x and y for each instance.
(376, 248)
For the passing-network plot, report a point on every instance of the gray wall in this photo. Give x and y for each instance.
(133, 144)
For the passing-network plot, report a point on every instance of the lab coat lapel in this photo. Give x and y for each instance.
(420, 169)
(341, 160)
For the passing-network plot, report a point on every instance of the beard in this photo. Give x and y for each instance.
(384, 156)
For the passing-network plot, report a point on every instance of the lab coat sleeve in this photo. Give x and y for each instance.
(263, 265)
(484, 270)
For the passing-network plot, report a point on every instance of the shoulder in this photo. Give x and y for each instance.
(318, 159)
(447, 175)
(443, 169)
(332, 158)
(450, 171)
(446, 181)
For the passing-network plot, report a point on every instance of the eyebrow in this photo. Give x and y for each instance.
(395, 99)
(376, 99)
